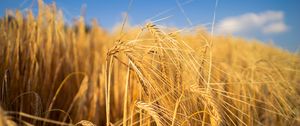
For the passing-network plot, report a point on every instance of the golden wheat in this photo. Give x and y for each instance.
(53, 74)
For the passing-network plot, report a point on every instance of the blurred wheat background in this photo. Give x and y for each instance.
(54, 74)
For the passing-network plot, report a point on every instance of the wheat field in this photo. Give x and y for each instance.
(55, 74)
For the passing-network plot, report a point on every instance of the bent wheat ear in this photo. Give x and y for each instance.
(152, 112)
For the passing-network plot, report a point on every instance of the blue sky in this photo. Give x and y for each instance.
(266, 20)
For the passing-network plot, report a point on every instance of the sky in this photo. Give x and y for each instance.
(276, 21)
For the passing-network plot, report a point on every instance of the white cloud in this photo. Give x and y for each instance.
(267, 22)
(276, 27)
